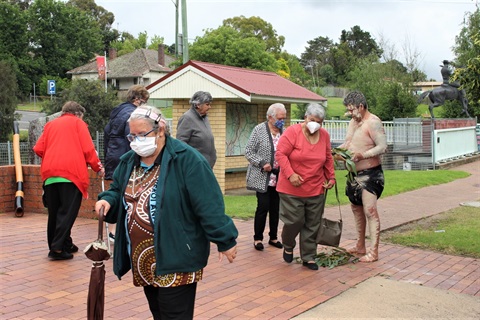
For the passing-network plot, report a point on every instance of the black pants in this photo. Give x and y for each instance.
(63, 200)
(171, 302)
(267, 202)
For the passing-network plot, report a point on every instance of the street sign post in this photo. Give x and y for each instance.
(51, 87)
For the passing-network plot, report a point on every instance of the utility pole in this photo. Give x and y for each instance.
(176, 28)
(185, 31)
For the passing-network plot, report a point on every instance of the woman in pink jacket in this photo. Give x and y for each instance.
(304, 154)
(66, 148)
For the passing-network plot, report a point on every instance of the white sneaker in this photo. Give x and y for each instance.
(111, 236)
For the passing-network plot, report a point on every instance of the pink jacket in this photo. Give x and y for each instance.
(314, 163)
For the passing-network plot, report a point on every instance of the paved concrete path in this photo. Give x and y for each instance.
(258, 285)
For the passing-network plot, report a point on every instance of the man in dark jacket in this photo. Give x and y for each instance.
(116, 130)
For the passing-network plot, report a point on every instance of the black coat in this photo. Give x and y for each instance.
(115, 141)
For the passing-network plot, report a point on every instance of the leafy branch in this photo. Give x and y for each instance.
(333, 258)
(349, 164)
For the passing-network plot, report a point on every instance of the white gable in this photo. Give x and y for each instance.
(189, 80)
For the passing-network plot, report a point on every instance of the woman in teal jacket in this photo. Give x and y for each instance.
(168, 207)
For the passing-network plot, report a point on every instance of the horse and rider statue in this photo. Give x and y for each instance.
(447, 91)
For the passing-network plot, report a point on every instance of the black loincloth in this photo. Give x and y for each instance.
(371, 180)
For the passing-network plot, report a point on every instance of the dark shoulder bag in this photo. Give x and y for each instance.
(330, 231)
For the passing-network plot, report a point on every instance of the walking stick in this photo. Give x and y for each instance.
(106, 223)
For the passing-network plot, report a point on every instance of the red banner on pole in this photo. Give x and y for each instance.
(101, 67)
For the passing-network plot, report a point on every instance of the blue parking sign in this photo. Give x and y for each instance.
(51, 86)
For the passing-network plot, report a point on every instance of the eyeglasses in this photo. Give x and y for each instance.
(142, 137)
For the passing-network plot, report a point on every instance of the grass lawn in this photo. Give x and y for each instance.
(452, 232)
(30, 107)
(396, 181)
(167, 112)
(335, 108)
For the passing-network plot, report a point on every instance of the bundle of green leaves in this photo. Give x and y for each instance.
(349, 164)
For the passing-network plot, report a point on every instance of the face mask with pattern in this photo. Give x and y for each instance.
(279, 124)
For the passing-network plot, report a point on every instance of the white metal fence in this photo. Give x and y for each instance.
(400, 131)
(405, 138)
(455, 143)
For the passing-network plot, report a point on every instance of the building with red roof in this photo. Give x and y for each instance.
(241, 98)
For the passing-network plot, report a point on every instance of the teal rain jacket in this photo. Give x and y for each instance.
(190, 212)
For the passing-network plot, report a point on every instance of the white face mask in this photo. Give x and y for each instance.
(313, 126)
(144, 148)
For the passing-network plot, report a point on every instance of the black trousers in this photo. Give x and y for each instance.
(63, 201)
(267, 202)
(171, 302)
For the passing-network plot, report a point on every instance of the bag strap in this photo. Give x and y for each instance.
(338, 199)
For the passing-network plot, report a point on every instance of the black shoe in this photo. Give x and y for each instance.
(288, 257)
(72, 249)
(111, 236)
(258, 246)
(277, 244)
(310, 265)
(63, 255)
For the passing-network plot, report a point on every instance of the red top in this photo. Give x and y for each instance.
(66, 148)
(313, 162)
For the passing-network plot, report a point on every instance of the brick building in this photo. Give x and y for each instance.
(241, 98)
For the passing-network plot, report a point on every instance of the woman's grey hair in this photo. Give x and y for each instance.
(153, 115)
(74, 108)
(200, 97)
(274, 108)
(316, 110)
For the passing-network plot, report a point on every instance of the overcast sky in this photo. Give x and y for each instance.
(426, 26)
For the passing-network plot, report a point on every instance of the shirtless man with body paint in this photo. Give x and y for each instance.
(366, 141)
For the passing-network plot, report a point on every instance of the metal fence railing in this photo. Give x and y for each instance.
(27, 155)
(408, 140)
(6, 153)
(399, 132)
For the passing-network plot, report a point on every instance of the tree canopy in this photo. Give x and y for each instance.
(360, 42)
(62, 33)
(248, 43)
(467, 50)
(258, 28)
(46, 37)
(226, 45)
(103, 17)
(330, 62)
(8, 101)
(14, 44)
(387, 97)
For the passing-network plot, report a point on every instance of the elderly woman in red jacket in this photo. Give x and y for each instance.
(66, 148)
